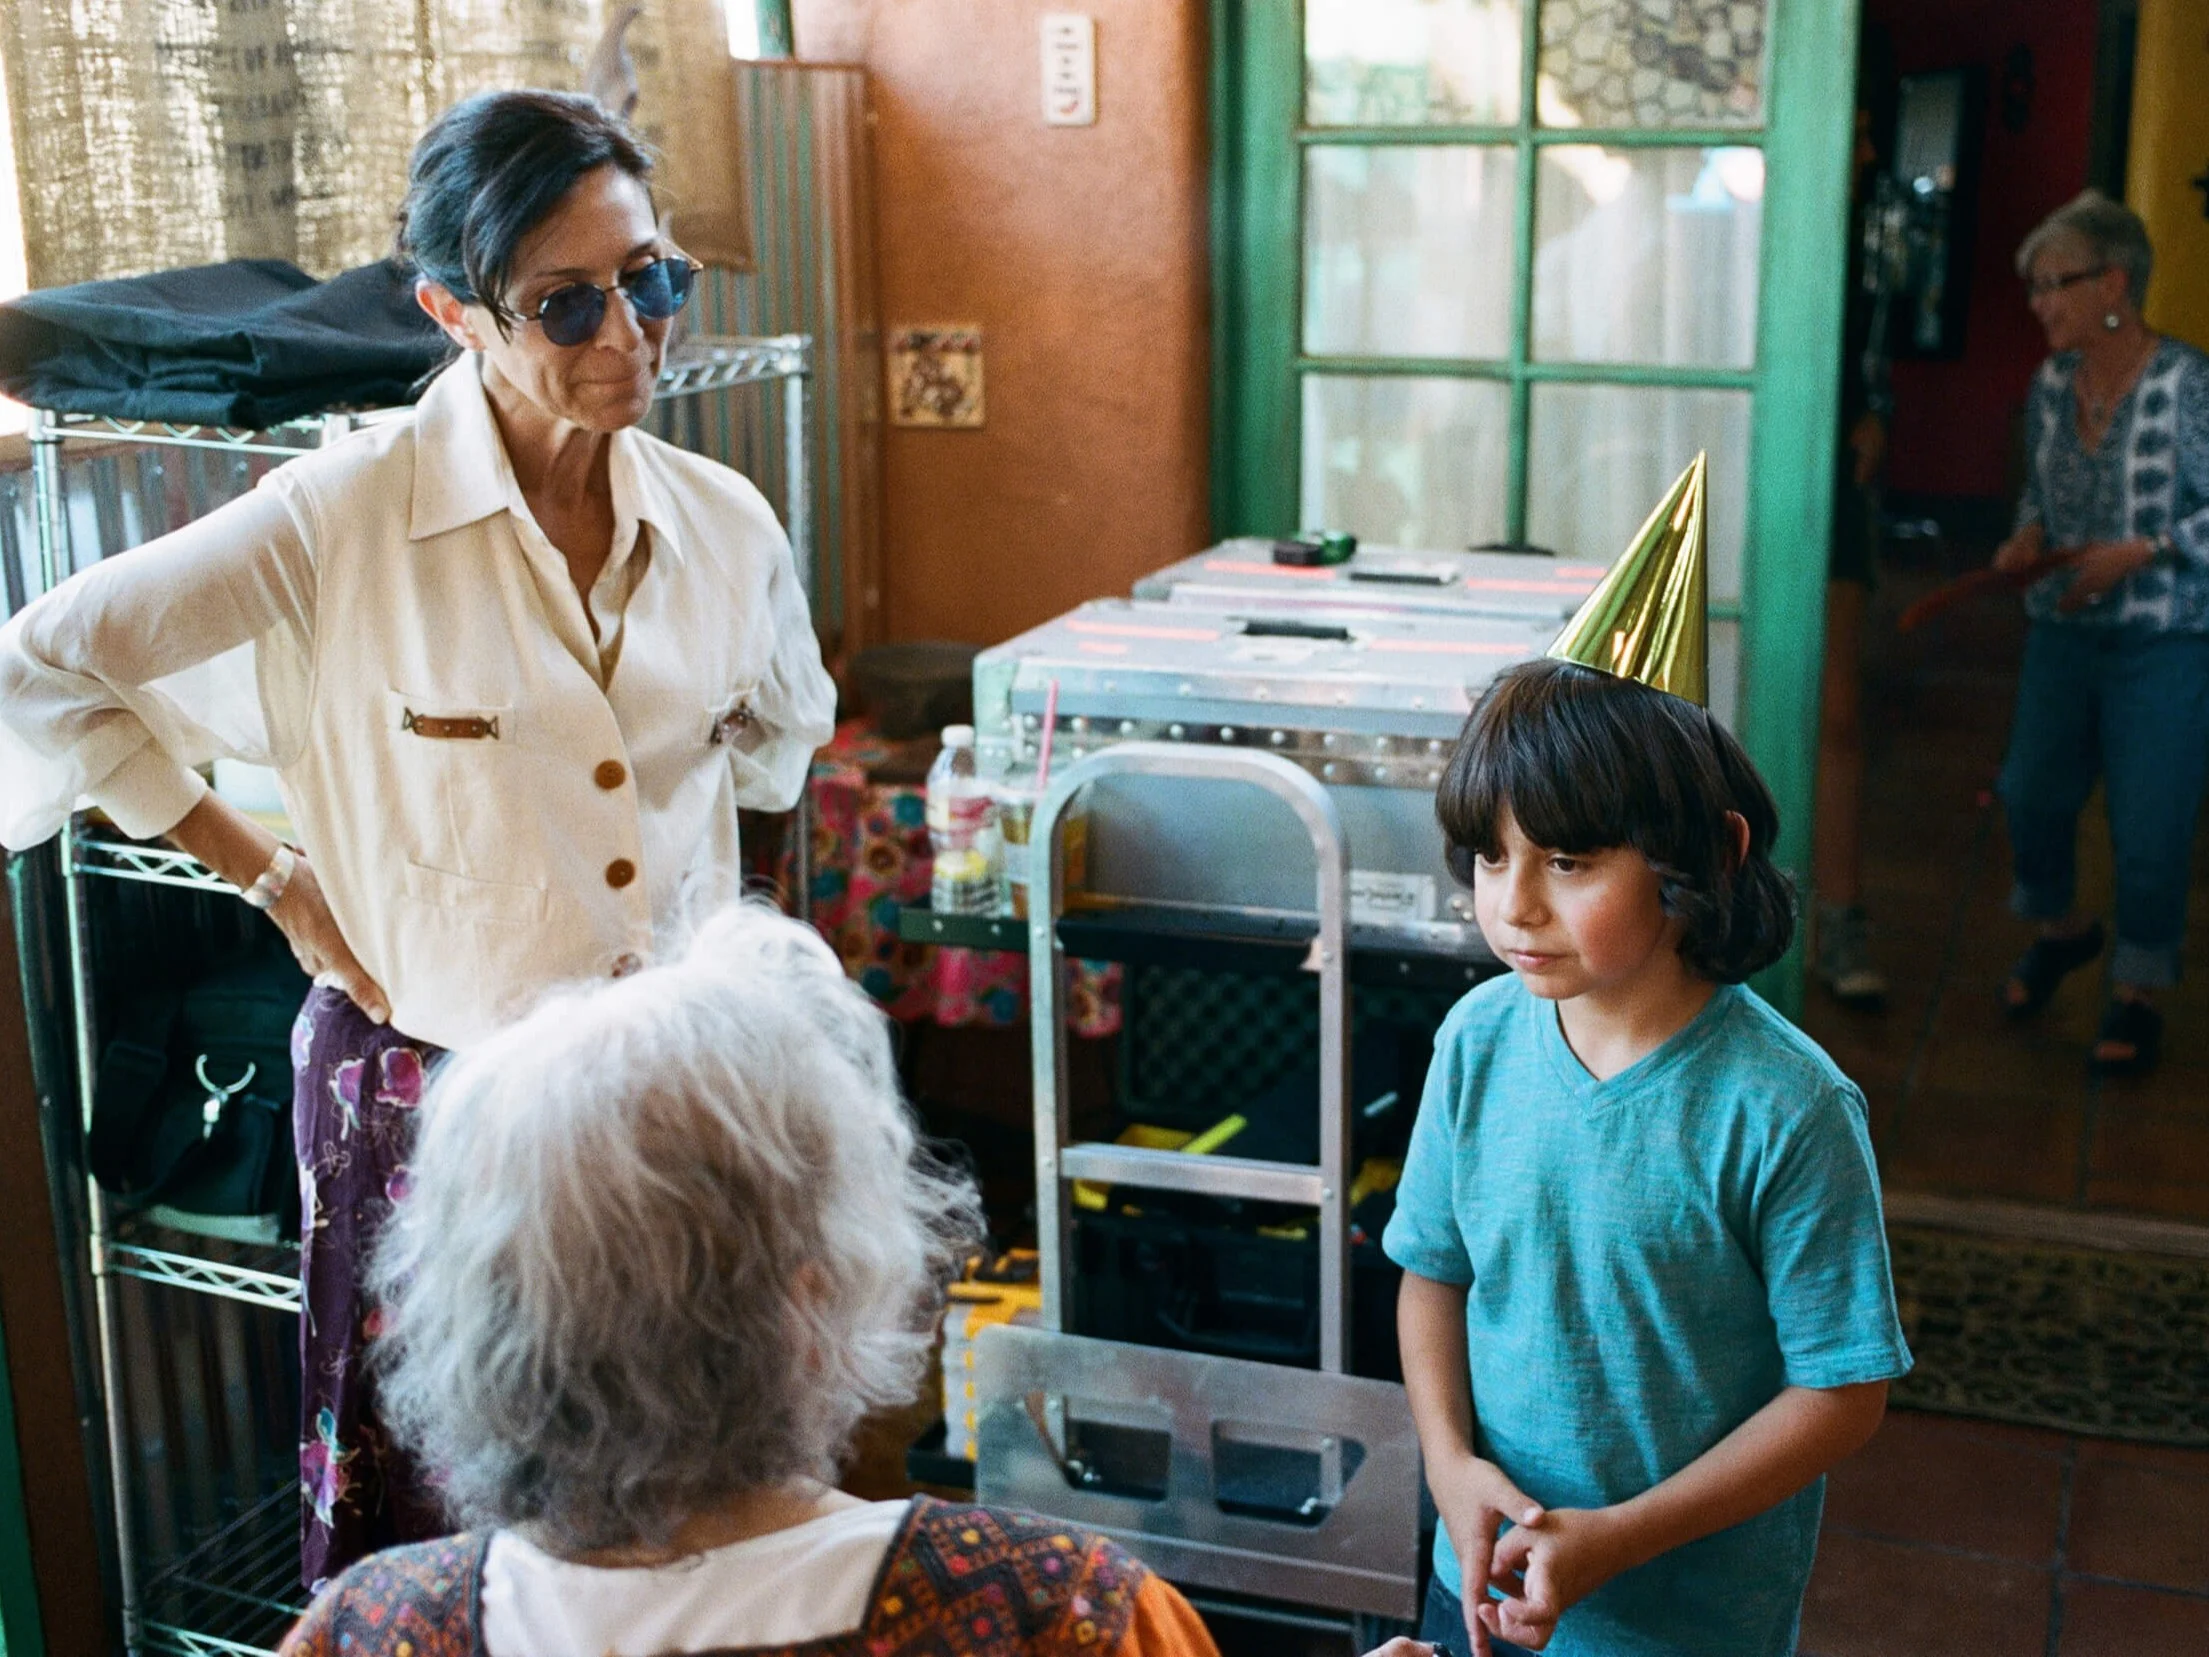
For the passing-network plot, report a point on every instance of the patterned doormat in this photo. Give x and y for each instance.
(2081, 1340)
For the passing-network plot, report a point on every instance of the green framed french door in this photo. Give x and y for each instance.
(1492, 271)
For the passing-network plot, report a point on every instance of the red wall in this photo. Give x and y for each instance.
(1954, 421)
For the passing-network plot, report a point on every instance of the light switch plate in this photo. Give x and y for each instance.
(1069, 69)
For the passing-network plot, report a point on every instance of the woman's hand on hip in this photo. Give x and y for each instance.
(303, 915)
(2101, 565)
(237, 848)
(2019, 551)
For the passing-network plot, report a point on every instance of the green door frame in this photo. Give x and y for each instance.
(1257, 88)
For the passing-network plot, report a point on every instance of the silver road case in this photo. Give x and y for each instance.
(1240, 574)
(1369, 704)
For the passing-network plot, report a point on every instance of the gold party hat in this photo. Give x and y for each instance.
(1649, 619)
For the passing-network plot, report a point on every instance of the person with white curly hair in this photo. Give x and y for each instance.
(669, 1239)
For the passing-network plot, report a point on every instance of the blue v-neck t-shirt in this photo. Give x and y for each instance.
(1648, 1261)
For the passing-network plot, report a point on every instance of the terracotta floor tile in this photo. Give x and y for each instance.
(2024, 1148)
(2134, 1141)
(2103, 1619)
(2164, 1458)
(2139, 1520)
(1887, 1599)
(2041, 1440)
(2186, 1023)
(1930, 1478)
(2029, 1062)
(2178, 1087)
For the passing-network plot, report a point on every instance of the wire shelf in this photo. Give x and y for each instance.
(715, 362)
(702, 363)
(294, 437)
(91, 850)
(234, 1595)
(259, 1274)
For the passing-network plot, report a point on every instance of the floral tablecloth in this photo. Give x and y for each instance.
(871, 858)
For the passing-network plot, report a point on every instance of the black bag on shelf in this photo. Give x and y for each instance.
(191, 1108)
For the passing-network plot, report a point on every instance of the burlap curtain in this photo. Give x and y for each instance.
(156, 133)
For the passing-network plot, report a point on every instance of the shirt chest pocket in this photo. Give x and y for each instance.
(464, 830)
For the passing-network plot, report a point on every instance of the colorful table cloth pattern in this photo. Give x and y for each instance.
(870, 859)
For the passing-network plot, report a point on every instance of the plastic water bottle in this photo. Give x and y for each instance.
(962, 827)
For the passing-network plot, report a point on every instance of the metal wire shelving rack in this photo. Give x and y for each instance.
(235, 1591)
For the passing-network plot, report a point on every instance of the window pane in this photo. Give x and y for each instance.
(1411, 62)
(1407, 251)
(1407, 462)
(1725, 674)
(1634, 63)
(1647, 256)
(1600, 457)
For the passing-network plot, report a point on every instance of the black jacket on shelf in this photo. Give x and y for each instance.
(250, 343)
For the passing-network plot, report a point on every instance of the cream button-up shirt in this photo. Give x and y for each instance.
(497, 795)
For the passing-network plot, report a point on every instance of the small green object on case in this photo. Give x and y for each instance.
(1332, 546)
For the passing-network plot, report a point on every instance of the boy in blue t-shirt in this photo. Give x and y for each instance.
(1647, 1303)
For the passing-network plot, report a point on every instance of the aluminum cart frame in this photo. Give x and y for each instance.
(1354, 1546)
(247, 1572)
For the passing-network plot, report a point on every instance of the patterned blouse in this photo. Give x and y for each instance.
(2150, 476)
(976, 1581)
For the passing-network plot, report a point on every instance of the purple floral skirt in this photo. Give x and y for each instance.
(356, 1088)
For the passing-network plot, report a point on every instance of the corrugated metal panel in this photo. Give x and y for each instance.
(118, 495)
(806, 137)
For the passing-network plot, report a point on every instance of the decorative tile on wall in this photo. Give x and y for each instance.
(936, 375)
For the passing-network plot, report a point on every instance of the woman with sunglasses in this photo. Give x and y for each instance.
(2115, 681)
(516, 664)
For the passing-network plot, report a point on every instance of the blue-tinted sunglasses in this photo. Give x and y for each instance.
(572, 315)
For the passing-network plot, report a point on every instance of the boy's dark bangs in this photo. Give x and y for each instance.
(1557, 763)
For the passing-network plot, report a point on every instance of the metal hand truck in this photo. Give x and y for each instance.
(1349, 1541)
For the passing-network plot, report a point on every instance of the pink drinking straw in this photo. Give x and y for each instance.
(1050, 725)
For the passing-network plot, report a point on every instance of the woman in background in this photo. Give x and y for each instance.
(2115, 682)
(669, 1240)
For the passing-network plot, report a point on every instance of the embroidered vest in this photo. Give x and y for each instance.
(982, 1582)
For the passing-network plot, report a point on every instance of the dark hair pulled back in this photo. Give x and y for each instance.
(1583, 761)
(488, 172)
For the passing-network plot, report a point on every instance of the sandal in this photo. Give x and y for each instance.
(2139, 1027)
(2044, 966)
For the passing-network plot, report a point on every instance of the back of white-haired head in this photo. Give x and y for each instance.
(668, 1239)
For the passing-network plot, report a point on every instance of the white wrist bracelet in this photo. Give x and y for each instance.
(269, 885)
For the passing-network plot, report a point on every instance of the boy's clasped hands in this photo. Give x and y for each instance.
(1545, 1563)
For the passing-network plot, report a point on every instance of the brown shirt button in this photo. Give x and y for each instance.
(620, 872)
(611, 773)
(626, 963)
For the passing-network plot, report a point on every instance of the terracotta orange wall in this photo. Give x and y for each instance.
(1081, 251)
